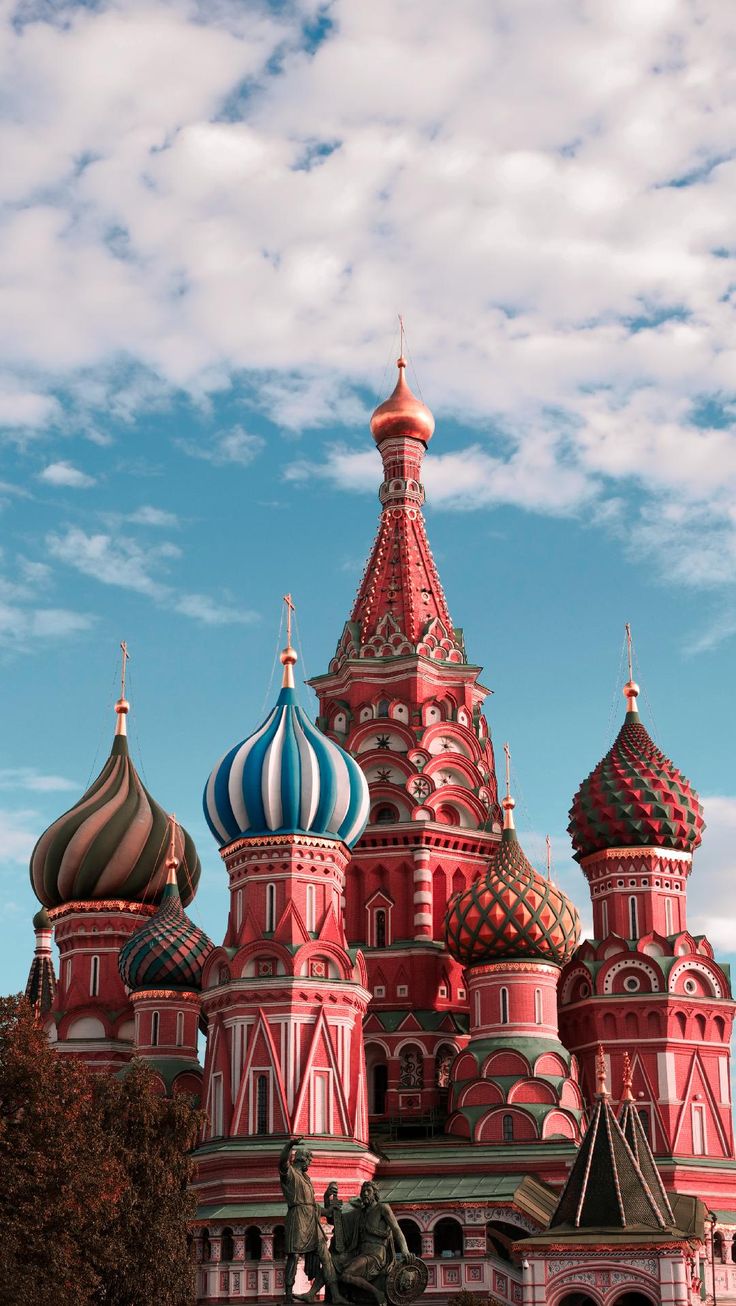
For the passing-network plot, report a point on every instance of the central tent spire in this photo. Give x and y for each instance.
(400, 607)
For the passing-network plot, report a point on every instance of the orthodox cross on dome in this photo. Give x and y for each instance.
(172, 861)
(122, 705)
(631, 689)
(601, 1087)
(508, 802)
(402, 334)
(288, 655)
(548, 842)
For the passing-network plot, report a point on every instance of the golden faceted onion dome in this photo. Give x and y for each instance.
(402, 413)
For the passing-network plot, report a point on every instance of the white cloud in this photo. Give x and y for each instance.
(20, 626)
(19, 831)
(227, 205)
(113, 562)
(64, 473)
(234, 446)
(713, 880)
(27, 777)
(204, 608)
(150, 516)
(125, 563)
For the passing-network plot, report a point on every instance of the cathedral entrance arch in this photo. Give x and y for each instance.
(633, 1299)
(577, 1299)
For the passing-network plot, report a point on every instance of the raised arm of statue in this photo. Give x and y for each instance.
(285, 1154)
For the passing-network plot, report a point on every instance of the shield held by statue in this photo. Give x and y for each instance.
(406, 1280)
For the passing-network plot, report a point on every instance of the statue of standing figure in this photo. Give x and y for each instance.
(368, 1256)
(304, 1234)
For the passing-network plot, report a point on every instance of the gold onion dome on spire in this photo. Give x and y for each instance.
(402, 413)
(112, 843)
(511, 912)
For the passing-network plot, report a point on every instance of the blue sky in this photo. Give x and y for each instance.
(211, 218)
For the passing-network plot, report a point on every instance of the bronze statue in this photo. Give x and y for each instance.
(369, 1251)
(304, 1235)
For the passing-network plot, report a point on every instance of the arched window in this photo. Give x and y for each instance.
(379, 1087)
(227, 1245)
(668, 926)
(252, 1243)
(180, 1029)
(382, 709)
(507, 1125)
(270, 906)
(644, 1117)
(279, 1242)
(504, 1006)
(413, 1235)
(94, 977)
(604, 919)
(379, 924)
(262, 1104)
(718, 1248)
(385, 814)
(733, 1248)
(154, 1028)
(444, 1057)
(448, 1238)
(538, 1006)
(411, 1068)
(311, 909)
(681, 1023)
(633, 919)
(206, 1245)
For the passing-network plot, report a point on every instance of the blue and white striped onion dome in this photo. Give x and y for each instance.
(287, 778)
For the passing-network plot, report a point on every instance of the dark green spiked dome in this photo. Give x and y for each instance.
(112, 844)
(635, 797)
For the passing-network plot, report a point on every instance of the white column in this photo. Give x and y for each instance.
(422, 895)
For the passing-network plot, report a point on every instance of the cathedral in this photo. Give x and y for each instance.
(549, 1119)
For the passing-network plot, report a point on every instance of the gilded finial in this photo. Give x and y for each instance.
(508, 803)
(122, 706)
(631, 689)
(627, 1080)
(601, 1087)
(288, 655)
(172, 861)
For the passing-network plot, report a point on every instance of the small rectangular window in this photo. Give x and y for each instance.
(270, 907)
(461, 993)
(402, 990)
(379, 991)
(216, 1107)
(698, 1130)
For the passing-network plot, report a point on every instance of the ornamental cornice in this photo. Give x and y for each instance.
(504, 967)
(283, 841)
(164, 995)
(646, 850)
(101, 906)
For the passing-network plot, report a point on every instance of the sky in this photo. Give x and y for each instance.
(211, 216)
